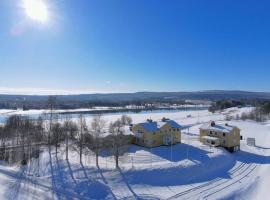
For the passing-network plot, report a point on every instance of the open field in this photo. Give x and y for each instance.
(186, 171)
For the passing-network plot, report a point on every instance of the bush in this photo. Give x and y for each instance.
(24, 162)
(228, 117)
(256, 115)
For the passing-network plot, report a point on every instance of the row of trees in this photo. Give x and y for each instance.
(23, 134)
(17, 137)
(260, 113)
(224, 104)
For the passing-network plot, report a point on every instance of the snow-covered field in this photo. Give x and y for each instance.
(186, 171)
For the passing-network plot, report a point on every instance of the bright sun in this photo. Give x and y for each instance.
(36, 10)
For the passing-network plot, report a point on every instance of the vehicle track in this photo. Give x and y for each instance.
(237, 181)
(199, 190)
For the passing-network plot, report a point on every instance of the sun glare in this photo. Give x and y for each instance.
(36, 10)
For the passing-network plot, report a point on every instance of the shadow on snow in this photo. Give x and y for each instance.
(204, 168)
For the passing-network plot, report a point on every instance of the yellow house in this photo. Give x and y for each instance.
(225, 135)
(156, 133)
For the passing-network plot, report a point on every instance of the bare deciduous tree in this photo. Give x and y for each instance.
(51, 106)
(82, 130)
(118, 141)
(57, 135)
(126, 120)
(97, 130)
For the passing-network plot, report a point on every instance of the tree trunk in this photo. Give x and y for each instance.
(116, 162)
(97, 159)
(80, 152)
(67, 148)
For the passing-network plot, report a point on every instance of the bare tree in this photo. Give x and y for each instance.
(66, 127)
(82, 130)
(57, 135)
(2, 136)
(51, 106)
(69, 128)
(118, 141)
(126, 120)
(97, 130)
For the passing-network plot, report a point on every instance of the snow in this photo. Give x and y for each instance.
(189, 170)
(152, 126)
(210, 138)
(218, 127)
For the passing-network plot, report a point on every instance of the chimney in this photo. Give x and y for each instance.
(213, 123)
(164, 119)
(149, 120)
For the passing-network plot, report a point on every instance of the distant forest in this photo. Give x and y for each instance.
(239, 98)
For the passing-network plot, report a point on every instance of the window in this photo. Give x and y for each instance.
(223, 134)
(210, 132)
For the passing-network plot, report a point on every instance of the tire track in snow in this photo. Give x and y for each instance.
(197, 191)
(237, 181)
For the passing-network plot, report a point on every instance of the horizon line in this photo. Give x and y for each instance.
(62, 92)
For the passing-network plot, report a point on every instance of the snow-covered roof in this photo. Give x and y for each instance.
(211, 126)
(150, 126)
(173, 124)
(153, 126)
(210, 138)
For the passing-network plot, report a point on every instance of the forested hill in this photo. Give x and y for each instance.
(77, 101)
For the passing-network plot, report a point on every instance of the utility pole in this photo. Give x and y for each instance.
(151, 156)
(171, 147)
(188, 145)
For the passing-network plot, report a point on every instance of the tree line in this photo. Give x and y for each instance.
(260, 113)
(23, 137)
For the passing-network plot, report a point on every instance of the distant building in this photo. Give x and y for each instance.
(226, 135)
(156, 133)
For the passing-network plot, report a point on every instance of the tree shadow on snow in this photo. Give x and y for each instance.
(176, 153)
(68, 186)
(15, 187)
(183, 174)
(204, 168)
(134, 195)
(181, 152)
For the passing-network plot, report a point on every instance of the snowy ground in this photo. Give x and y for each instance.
(186, 171)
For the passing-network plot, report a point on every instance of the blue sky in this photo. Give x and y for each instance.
(142, 45)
